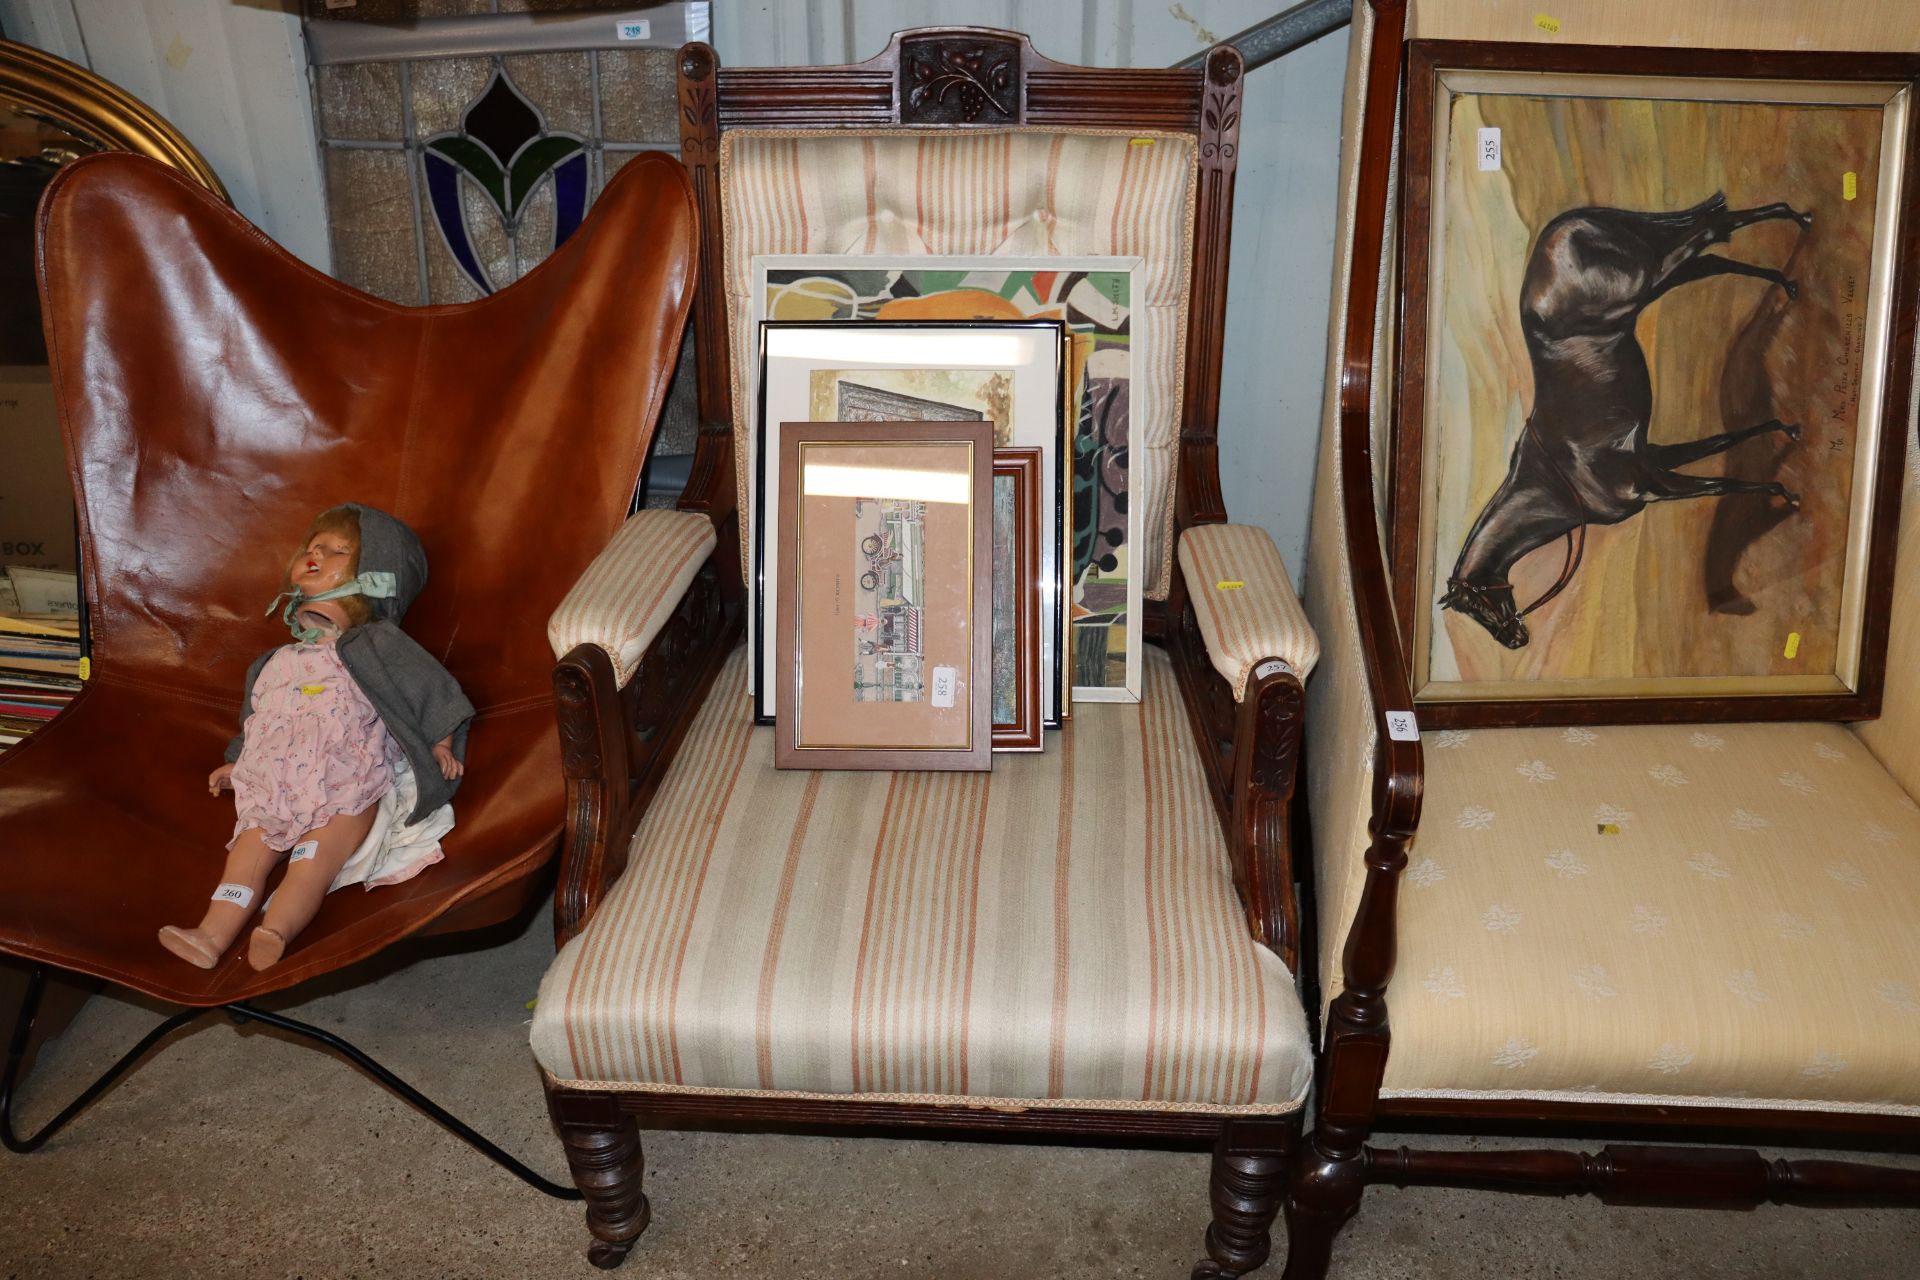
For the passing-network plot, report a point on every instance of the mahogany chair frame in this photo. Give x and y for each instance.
(619, 742)
(1334, 1164)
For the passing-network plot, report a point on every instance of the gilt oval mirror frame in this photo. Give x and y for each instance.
(97, 110)
(51, 112)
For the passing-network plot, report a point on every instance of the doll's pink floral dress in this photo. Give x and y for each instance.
(314, 747)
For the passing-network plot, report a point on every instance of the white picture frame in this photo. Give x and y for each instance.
(1031, 353)
(1082, 310)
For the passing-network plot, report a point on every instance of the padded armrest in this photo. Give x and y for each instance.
(632, 587)
(1245, 602)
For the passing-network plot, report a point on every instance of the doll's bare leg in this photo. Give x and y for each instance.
(297, 901)
(248, 863)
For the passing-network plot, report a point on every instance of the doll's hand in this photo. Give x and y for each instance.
(450, 766)
(220, 779)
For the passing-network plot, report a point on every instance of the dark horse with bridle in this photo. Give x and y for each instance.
(1584, 457)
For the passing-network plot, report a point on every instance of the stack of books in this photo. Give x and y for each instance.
(41, 651)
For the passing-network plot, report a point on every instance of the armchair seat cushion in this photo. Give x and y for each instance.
(1244, 602)
(1062, 931)
(1723, 915)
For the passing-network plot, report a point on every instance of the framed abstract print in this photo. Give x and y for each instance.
(1010, 375)
(1657, 339)
(1015, 693)
(882, 627)
(1094, 298)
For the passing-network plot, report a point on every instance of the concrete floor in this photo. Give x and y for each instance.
(241, 1154)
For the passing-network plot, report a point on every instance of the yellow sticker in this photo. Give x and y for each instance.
(1793, 644)
(1608, 828)
(1139, 142)
(1850, 185)
(1547, 24)
(313, 690)
(86, 667)
(531, 1003)
(1228, 584)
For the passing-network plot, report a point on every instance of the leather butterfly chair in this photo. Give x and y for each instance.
(215, 393)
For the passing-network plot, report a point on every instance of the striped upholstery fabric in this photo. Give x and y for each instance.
(1245, 602)
(1063, 928)
(632, 588)
(978, 191)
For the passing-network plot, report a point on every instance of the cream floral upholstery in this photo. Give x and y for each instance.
(1728, 913)
(1061, 929)
(1244, 602)
(1340, 749)
(1895, 736)
(633, 586)
(1033, 192)
(1749, 935)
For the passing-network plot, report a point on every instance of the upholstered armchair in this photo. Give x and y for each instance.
(1100, 938)
(1705, 929)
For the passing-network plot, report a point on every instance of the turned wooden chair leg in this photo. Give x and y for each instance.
(1324, 1191)
(1250, 1165)
(603, 1151)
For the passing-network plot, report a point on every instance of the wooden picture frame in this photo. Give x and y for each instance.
(1582, 591)
(883, 631)
(1012, 373)
(1014, 695)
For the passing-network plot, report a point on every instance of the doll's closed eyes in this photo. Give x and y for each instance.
(329, 562)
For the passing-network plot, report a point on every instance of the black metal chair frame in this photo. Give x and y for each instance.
(241, 1012)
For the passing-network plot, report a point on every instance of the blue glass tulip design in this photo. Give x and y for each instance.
(504, 146)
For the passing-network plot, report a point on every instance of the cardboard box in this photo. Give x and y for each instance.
(36, 498)
(44, 593)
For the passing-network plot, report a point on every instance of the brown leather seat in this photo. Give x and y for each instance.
(215, 394)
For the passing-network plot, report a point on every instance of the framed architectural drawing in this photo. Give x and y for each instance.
(1093, 297)
(1657, 348)
(1010, 375)
(1015, 693)
(882, 637)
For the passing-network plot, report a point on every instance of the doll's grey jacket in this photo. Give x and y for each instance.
(417, 699)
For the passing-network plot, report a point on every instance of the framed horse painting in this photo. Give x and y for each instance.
(1657, 337)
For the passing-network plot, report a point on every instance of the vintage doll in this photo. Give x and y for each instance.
(350, 746)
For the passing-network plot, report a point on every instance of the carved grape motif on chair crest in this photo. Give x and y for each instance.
(954, 81)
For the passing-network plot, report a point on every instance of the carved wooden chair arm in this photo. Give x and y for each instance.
(644, 632)
(1241, 653)
(1372, 683)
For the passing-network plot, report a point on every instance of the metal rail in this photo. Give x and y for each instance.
(1284, 32)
